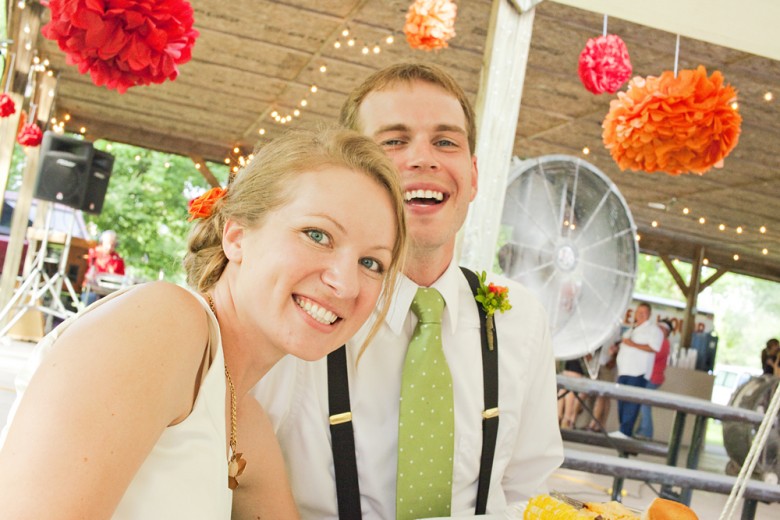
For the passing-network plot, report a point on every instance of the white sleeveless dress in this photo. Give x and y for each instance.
(185, 474)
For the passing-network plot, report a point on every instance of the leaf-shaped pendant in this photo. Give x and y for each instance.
(236, 467)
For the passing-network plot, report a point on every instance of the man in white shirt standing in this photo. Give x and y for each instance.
(425, 123)
(635, 363)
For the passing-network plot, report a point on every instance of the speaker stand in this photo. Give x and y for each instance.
(37, 283)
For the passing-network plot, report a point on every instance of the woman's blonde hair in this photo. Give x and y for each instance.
(262, 187)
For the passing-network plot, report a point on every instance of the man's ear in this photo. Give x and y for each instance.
(232, 240)
(474, 178)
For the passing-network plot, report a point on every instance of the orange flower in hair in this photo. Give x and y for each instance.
(201, 207)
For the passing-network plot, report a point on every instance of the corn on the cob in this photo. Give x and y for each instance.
(545, 507)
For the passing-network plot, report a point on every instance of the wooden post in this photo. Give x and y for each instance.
(202, 167)
(8, 126)
(498, 105)
(13, 255)
(692, 297)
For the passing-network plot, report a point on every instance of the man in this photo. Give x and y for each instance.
(635, 359)
(655, 380)
(425, 123)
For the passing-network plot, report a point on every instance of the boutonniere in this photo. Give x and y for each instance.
(493, 298)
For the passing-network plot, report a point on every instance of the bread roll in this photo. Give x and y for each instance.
(662, 509)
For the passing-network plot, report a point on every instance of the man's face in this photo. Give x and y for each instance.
(422, 128)
(642, 314)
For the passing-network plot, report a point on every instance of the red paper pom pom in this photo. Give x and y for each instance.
(604, 64)
(430, 23)
(7, 105)
(30, 135)
(675, 125)
(122, 43)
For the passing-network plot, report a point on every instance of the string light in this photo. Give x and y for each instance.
(586, 151)
(366, 47)
(734, 105)
(686, 211)
(765, 251)
(739, 230)
(736, 258)
(768, 96)
(654, 223)
(722, 227)
(702, 220)
(706, 262)
(762, 229)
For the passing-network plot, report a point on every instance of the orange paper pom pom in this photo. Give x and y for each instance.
(677, 125)
(430, 23)
(201, 207)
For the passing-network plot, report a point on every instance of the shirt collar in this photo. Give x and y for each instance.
(447, 285)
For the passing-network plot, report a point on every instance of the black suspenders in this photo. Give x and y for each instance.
(342, 437)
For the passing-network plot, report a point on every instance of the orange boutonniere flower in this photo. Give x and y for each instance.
(493, 298)
(686, 124)
(201, 207)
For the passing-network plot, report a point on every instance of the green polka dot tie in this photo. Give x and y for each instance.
(426, 425)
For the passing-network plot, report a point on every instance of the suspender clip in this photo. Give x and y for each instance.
(340, 418)
(490, 413)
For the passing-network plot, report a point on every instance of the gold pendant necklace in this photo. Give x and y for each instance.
(237, 463)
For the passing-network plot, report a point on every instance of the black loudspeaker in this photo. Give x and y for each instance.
(97, 181)
(63, 170)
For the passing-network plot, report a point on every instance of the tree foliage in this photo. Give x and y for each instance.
(746, 308)
(146, 204)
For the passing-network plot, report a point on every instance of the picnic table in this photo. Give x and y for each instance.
(682, 406)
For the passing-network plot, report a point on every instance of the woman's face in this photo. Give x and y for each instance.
(310, 275)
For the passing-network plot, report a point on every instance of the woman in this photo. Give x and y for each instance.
(291, 259)
(101, 259)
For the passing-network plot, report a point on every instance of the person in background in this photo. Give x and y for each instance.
(129, 410)
(655, 380)
(568, 404)
(770, 357)
(101, 259)
(601, 403)
(635, 358)
(426, 125)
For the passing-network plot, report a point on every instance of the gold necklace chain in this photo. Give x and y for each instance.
(236, 464)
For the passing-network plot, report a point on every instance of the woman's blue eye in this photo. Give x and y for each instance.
(317, 235)
(371, 264)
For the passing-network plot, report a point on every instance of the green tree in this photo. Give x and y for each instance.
(746, 309)
(146, 204)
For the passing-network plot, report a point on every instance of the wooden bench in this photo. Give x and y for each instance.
(624, 447)
(633, 469)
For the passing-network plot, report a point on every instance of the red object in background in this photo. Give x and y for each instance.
(7, 105)
(30, 135)
(604, 64)
(123, 44)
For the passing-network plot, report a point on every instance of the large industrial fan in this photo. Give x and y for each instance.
(567, 234)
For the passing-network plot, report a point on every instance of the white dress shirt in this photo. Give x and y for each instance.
(632, 361)
(528, 447)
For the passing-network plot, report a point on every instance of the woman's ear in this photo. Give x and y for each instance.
(232, 237)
